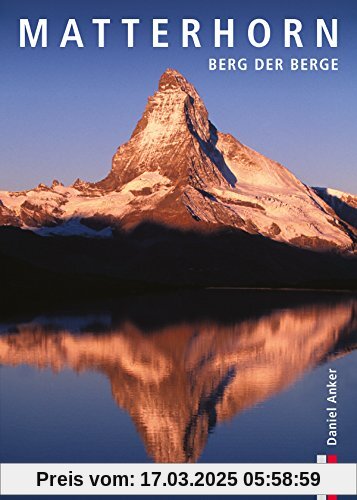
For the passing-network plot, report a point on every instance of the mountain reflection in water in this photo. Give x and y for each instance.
(179, 380)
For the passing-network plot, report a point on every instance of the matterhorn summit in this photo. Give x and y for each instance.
(179, 171)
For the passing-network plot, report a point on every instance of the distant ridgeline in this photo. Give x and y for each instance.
(226, 33)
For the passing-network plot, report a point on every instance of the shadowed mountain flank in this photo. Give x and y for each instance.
(344, 204)
(153, 256)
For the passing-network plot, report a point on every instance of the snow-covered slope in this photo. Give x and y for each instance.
(178, 170)
(344, 204)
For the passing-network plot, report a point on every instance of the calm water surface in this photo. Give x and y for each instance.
(211, 377)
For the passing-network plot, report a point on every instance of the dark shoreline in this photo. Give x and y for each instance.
(45, 273)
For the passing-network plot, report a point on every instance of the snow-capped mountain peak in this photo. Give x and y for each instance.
(178, 170)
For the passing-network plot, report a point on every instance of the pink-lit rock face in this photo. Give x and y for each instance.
(180, 381)
(179, 170)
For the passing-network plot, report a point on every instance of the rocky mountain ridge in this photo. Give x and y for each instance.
(344, 204)
(178, 170)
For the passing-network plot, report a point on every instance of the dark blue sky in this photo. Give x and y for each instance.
(65, 111)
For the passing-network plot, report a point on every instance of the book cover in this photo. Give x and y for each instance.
(178, 227)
